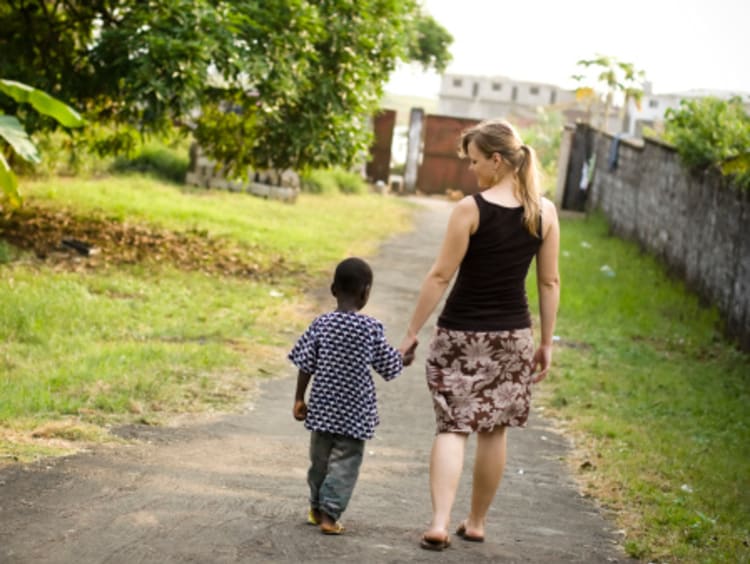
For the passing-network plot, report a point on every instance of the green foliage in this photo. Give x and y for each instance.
(429, 45)
(319, 182)
(349, 182)
(332, 181)
(16, 137)
(157, 160)
(42, 102)
(304, 76)
(712, 132)
(7, 253)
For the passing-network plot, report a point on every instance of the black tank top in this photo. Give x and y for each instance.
(490, 292)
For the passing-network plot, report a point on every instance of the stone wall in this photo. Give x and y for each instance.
(271, 184)
(696, 223)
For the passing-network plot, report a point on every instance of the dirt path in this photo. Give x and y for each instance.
(232, 488)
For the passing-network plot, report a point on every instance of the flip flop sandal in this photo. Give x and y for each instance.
(311, 520)
(437, 545)
(461, 532)
(335, 529)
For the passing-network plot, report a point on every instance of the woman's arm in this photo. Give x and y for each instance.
(548, 283)
(462, 223)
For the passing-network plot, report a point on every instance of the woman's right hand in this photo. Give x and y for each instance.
(408, 345)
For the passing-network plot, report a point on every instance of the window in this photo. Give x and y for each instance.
(653, 103)
(457, 82)
(534, 90)
(496, 86)
(514, 95)
(553, 96)
(475, 90)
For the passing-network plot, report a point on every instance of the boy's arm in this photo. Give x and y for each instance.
(300, 408)
(386, 360)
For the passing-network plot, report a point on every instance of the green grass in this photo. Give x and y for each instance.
(311, 233)
(142, 342)
(657, 398)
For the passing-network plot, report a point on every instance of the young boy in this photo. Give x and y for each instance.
(337, 350)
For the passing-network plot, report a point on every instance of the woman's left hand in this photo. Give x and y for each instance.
(542, 362)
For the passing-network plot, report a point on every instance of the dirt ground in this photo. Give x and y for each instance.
(231, 488)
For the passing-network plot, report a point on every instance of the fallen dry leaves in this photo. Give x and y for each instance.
(41, 230)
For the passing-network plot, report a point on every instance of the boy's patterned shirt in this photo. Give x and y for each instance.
(338, 350)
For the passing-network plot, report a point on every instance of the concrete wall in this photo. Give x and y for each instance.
(696, 223)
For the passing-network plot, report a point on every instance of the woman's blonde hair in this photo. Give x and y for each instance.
(498, 136)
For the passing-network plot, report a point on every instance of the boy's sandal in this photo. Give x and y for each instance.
(335, 529)
(437, 545)
(311, 519)
(461, 532)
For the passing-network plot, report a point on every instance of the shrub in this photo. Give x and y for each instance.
(8, 253)
(349, 182)
(319, 182)
(712, 132)
(158, 160)
(333, 181)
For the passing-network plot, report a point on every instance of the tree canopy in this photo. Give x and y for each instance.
(615, 76)
(264, 82)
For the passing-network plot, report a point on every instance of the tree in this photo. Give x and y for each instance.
(709, 132)
(300, 76)
(16, 138)
(617, 77)
(429, 45)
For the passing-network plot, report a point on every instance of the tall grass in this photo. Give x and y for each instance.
(658, 398)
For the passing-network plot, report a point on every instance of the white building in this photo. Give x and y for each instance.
(483, 97)
(654, 106)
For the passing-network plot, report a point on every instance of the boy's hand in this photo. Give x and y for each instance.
(299, 410)
(408, 354)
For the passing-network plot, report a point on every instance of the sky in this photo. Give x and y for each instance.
(680, 44)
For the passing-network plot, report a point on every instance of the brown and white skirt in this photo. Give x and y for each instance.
(480, 380)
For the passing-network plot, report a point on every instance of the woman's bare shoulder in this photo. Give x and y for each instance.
(549, 216)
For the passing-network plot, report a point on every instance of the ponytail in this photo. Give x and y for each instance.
(528, 190)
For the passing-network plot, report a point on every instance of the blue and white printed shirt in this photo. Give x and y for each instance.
(338, 350)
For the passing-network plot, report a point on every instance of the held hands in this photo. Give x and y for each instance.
(407, 350)
(542, 362)
(299, 410)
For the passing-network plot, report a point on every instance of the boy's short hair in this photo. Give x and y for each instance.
(352, 276)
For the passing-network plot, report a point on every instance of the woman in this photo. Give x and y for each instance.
(482, 363)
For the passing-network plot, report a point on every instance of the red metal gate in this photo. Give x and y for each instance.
(441, 168)
(380, 166)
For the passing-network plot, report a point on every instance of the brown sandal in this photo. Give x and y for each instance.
(335, 529)
(461, 532)
(437, 545)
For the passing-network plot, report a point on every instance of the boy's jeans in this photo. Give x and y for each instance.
(335, 462)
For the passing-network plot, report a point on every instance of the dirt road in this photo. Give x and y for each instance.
(232, 488)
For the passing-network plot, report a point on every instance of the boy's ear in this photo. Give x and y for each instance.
(366, 292)
(333, 290)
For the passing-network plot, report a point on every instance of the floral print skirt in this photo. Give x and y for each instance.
(480, 380)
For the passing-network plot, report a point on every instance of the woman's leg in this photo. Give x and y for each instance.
(488, 471)
(446, 463)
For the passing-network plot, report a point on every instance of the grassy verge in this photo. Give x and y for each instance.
(656, 399)
(84, 349)
(311, 233)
